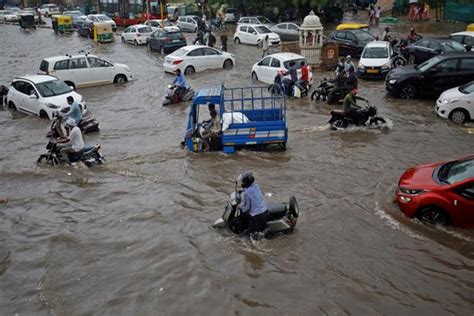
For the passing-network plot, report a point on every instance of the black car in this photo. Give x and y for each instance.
(432, 77)
(351, 42)
(166, 41)
(86, 29)
(425, 48)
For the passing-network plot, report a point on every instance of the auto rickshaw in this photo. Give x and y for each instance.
(27, 21)
(103, 32)
(352, 26)
(62, 23)
(470, 27)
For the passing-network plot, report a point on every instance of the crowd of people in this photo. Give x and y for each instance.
(418, 11)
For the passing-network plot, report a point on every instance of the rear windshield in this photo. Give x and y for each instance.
(44, 66)
(375, 52)
(174, 35)
(264, 20)
(103, 18)
(145, 30)
(298, 61)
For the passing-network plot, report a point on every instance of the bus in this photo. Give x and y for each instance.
(131, 12)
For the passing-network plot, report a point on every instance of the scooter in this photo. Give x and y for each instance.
(282, 217)
(87, 125)
(285, 86)
(365, 117)
(54, 157)
(172, 96)
(322, 90)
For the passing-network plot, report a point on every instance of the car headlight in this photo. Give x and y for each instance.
(392, 81)
(127, 69)
(52, 106)
(446, 101)
(412, 191)
(386, 66)
(361, 67)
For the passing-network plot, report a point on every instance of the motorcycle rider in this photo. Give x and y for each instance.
(253, 204)
(212, 130)
(340, 66)
(412, 36)
(386, 35)
(74, 143)
(348, 84)
(348, 64)
(303, 81)
(75, 111)
(180, 83)
(350, 108)
(293, 72)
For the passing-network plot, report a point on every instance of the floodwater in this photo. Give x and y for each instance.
(134, 236)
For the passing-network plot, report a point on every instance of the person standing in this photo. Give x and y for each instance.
(371, 15)
(377, 16)
(426, 11)
(211, 40)
(265, 46)
(224, 42)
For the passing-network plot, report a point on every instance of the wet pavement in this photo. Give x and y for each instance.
(134, 236)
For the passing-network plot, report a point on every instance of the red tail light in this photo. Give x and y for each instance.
(177, 61)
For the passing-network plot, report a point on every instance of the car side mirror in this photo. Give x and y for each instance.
(254, 33)
(33, 96)
(71, 88)
(468, 47)
(433, 70)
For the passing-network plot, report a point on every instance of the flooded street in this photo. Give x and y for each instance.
(135, 235)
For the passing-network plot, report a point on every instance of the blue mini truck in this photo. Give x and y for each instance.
(249, 116)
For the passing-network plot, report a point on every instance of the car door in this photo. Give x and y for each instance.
(252, 35)
(352, 44)
(242, 33)
(196, 59)
(23, 100)
(189, 24)
(264, 70)
(293, 32)
(101, 71)
(79, 70)
(466, 70)
(155, 40)
(61, 70)
(275, 66)
(132, 33)
(340, 37)
(463, 201)
(283, 30)
(440, 77)
(212, 59)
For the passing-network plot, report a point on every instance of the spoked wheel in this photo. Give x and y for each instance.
(315, 95)
(399, 61)
(433, 216)
(339, 124)
(47, 160)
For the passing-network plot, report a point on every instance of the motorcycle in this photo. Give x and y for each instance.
(54, 156)
(322, 92)
(172, 96)
(285, 86)
(87, 125)
(282, 217)
(365, 117)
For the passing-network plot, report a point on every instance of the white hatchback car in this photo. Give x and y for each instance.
(457, 104)
(254, 35)
(102, 18)
(188, 23)
(375, 60)
(157, 24)
(49, 9)
(268, 67)
(8, 16)
(137, 34)
(192, 58)
(85, 70)
(40, 95)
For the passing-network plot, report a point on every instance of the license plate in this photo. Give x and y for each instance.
(372, 71)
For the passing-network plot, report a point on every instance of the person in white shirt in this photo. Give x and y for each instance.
(377, 16)
(74, 143)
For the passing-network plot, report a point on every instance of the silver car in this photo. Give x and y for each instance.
(188, 23)
(288, 31)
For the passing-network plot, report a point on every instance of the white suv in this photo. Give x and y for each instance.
(40, 95)
(254, 34)
(49, 9)
(85, 70)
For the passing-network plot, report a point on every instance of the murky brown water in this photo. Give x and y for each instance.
(134, 236)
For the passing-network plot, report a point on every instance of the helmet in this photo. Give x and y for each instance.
(246, 178)
(71, 122)
(412, 29)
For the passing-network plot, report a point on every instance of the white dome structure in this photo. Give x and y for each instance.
(311, 38)
(311, 22)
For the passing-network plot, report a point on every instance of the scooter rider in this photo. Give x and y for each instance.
(293, 72)
(180, 83)
(75, 111)
(349, 105)
(303, 81)
(253, 204)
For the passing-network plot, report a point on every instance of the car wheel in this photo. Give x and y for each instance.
(408, 92)
(237, 40)
(433, 216)
(189, 70)
(43, 115)
(254, 76)
(293, 207)
(46, 159)
(120, 79)
(411, 59)
(459, 116)
(135, 42)
(398, 62)
(228, 64)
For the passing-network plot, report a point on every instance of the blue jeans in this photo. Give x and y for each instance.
(85, 149)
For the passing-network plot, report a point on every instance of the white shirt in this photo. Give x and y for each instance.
(377, 13)
(76, 139)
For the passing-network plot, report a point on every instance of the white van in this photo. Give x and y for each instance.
(375, 60)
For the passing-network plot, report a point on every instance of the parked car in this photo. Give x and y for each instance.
(103, 19)
(432, 77)
(85, 28)
(287, 31)
(85, 70)
(40, 95)
(255, 20)
(464, 38)
(255, 34)
(156, 24)
(457, 104)
(137, 34)
(231, 15)
(268, 67)
(76, 17)
(188, 23)
(352, 41)
(8, 16)
(49, 9)
(166, 40)
(439, 193)
(425, 48)
(76, 12)
(376, 60)
(192, 58)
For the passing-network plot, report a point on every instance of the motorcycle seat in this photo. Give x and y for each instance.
(277, 210)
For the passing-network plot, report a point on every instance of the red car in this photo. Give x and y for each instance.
(439, 193)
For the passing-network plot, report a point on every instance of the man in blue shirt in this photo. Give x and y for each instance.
(253, 204)
(75, 111)
(180, 83)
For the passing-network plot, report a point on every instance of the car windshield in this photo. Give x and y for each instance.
(468, 88)
(428, 64)
(456, 171)
(262, 29)
(174, 35)
(363, 36)
(264, 20)
(180, 52)
(52, 88)
(452, 46)
(145, 30)
(103, 18)
(298, 61)
(375, 52)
